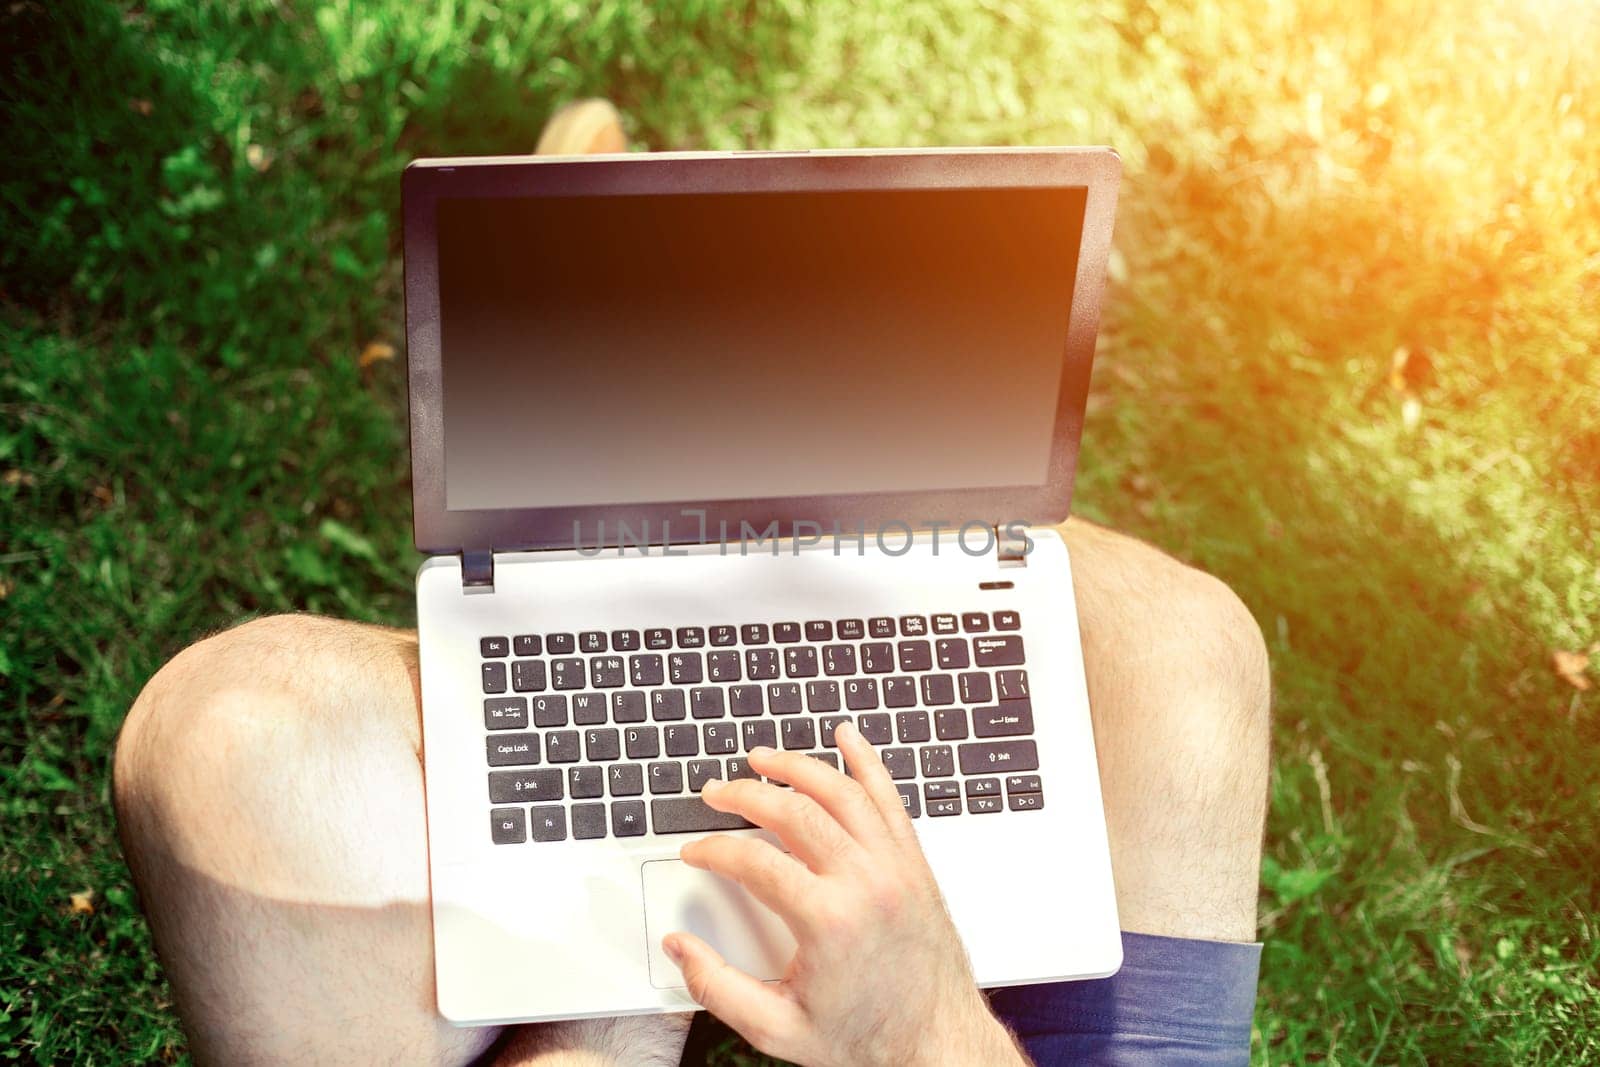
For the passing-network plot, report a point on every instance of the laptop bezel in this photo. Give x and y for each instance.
(439, 530)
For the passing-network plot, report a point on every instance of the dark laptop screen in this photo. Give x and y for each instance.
(641, 349)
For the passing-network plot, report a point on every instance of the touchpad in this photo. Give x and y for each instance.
(684, 898)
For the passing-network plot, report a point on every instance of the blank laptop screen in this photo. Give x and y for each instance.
(716, 347)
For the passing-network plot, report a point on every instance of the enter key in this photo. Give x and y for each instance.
(1009, 718)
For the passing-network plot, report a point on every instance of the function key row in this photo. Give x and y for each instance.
(597, 641)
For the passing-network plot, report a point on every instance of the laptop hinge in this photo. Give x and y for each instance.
(1011, 551)
(477, 570)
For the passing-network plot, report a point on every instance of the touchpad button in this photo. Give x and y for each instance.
(684, 898)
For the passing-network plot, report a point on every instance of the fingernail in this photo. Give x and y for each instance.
(762, 750)
(670, 947)
(712, 785)
(846, 729)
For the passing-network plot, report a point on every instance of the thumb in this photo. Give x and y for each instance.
(759, 1012)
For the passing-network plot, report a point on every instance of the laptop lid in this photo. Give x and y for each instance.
(676, 347)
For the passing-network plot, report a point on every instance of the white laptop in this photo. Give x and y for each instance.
(711, 451)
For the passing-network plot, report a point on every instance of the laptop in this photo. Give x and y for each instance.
(717, 450)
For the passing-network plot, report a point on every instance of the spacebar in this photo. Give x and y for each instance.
(685, 815)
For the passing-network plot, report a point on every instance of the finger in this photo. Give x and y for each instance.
(867, 768)
(761, 1014)
(833, 791)
(777, 880)
(800, 822)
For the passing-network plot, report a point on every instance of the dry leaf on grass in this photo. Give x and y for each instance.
(375, 352)
(258, 158)
(83, 903)
(1571, 666)
(140, 106)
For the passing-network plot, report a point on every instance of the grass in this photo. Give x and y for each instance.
(1349, 365)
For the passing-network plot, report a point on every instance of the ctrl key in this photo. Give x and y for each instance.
(508, 826)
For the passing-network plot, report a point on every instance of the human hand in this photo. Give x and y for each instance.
(879, 974)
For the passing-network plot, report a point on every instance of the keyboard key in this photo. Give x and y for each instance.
(877, 657)
(722, 738)
(691, 637)
(830, 758)
(683, 739)
(799, 733)
(937, 808)
(746, 700)
(882, 626)
(494, 647)
(589, 709)
(505, 713)
(997, 651)
(702, 771)
(722, 636)
(1025, 801)
(588, 821)
(941, 790)
(601, 744)
(999, 757)
(876, 728)
(827, 725)
(800, 662)
(1011, 684)
(753, 633)
(761, 663)
(706, 702)
(944, 624)
(938, 689)
(561, 746)
(627, 818)
(861, 694)
(625, 640)
(984, 805)
(494, 677)
(508, 826)
(759, 732)
(685, 668)
(900, 692)
(666, 705)
(938, 761)
(512, 750)
(1009, 718)
(647, 668)
(819, 630)
(625, 780)
(1007, 620)
(722, 666)
(567, 673)
(1023, 783)
(642, 742)
(983, 787)
(527, 675)
(913, 626)
(951, 653)
(900, 762)
(786, 633)
(627, 707)
(909, 800)
(852, 629)
(524, 787)
(592, 641)
(607, 672)
(950, 724)
(666, 777)
(916, 656)
(975, 688)
(783, 698)
(657, 639)
(585, 783)
(527, 645)
(975, 622)
(561, 644)
(822, 696)
(739, 767)
(838, 660)
(550, 711)
(912, 727)
(687, 815)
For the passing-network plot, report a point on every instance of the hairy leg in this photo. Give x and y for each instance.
(1180, 697)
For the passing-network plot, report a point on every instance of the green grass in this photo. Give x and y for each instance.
(200, 235)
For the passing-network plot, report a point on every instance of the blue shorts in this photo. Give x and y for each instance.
(1175, 1001)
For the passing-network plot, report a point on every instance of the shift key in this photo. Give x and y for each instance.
(999, 756)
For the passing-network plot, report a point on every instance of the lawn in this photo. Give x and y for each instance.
(1351, 364)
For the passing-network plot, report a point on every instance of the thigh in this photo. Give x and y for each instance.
(269, 795)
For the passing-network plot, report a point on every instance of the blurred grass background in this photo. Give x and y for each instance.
(1349, 364)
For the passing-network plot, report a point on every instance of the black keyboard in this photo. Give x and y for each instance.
(583, 729)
